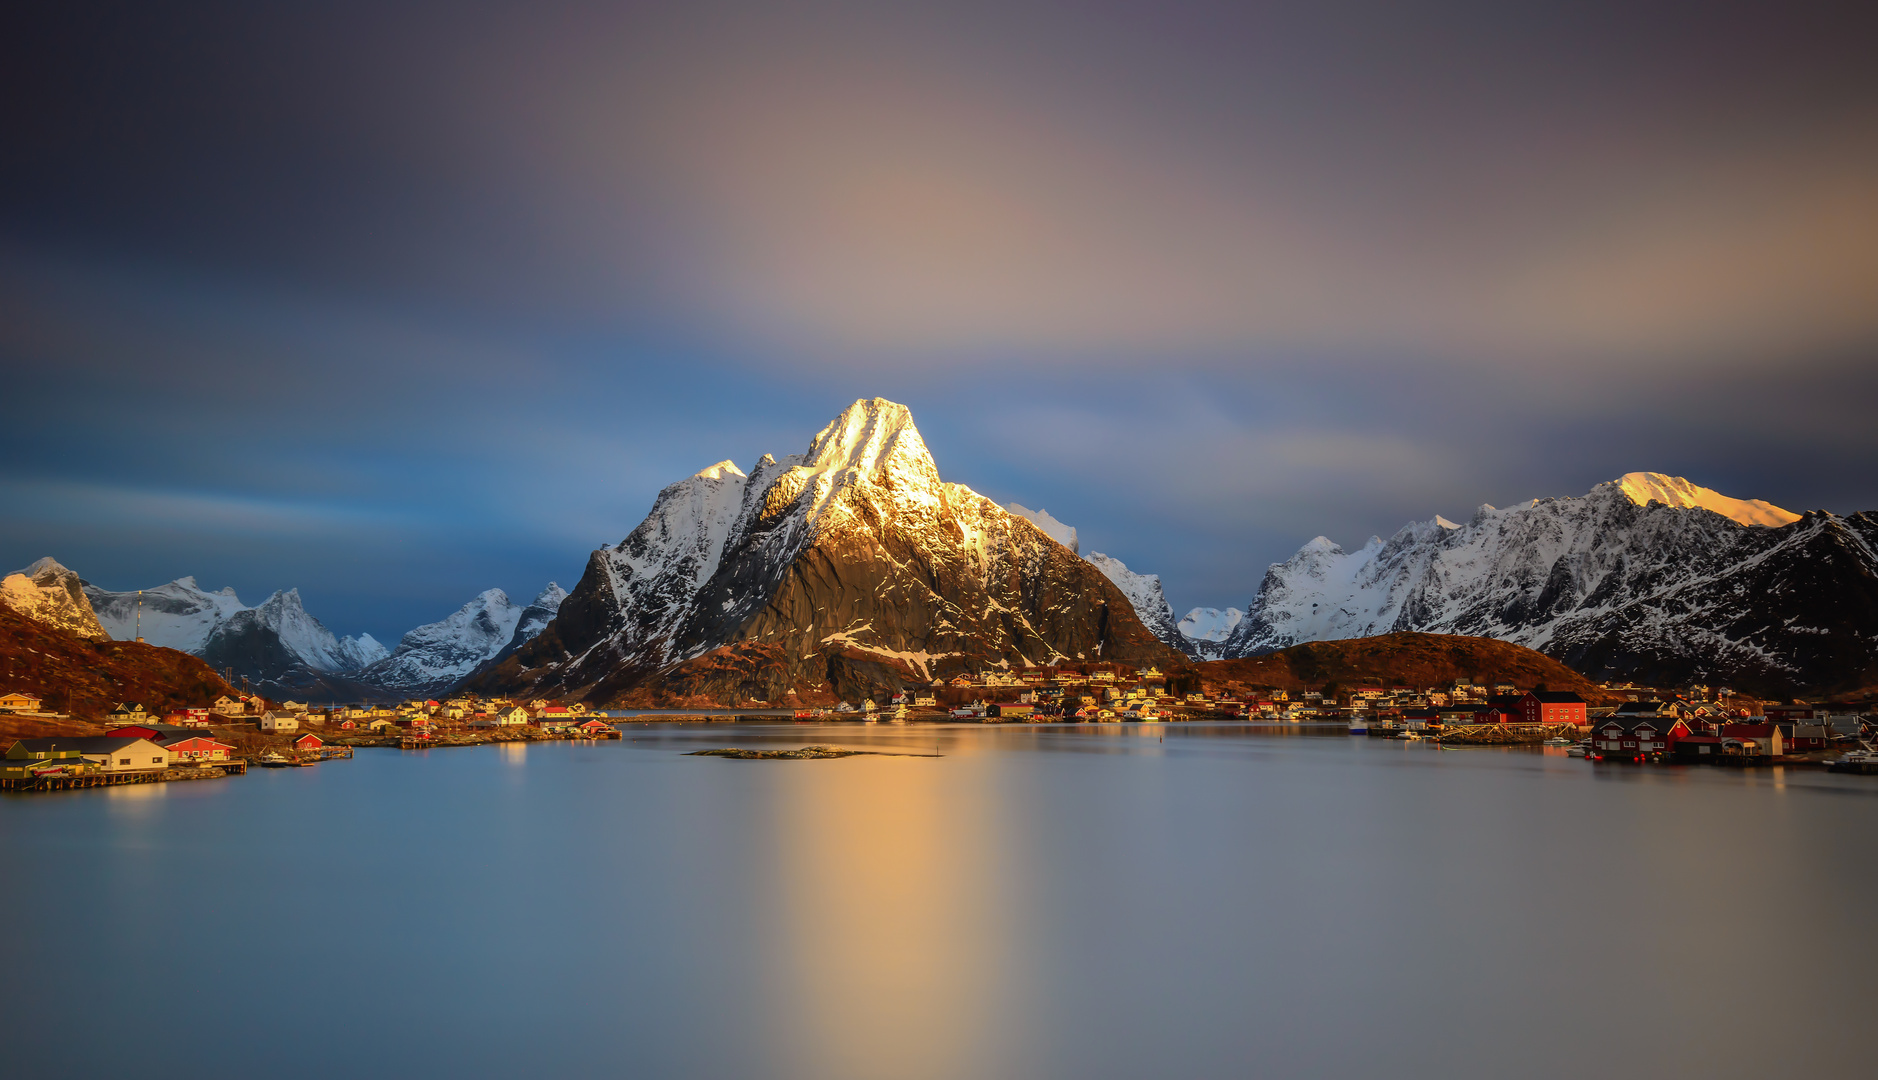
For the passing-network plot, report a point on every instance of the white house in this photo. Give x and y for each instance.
(279, 722)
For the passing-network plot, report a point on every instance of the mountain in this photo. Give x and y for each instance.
(1052, 528)
(1619, 584)
(180, 615)
(1204, 631)
(436, 656)
(1144, 595)
(86, 674)
(269, 642)
(844, 570)
(535, 618)
(1413, 660)
(49, 593)
(259, 642)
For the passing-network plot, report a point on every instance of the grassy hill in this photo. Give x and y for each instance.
(88, 678)
(1414, 660)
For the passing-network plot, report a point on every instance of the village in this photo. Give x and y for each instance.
(238, 731)
(1694, 724)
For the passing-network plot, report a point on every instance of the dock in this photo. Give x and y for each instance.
(69, 781)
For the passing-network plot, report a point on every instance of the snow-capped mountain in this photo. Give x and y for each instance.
(1144, 594)
(269, 641)
(1206, 630)
(1617, 583)
(179, 615)
(438, 655)
(49, 593)
(847, 568)
(1052, 528)
(259, 642)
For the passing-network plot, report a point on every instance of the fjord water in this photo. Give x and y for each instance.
(1089, 901)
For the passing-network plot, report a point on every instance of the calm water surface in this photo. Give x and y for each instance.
(1090, 901)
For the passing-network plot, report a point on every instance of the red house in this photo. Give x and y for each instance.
(309, 741)
(196, 748)
(1553, 707)
(592, 727)
(1501, 710)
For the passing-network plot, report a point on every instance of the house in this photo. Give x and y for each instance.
(513, 716)
(20, 702)
(959, 681)
(1753, 740)
(592, 727)
(924, 701)
(111, 753)
(1009, 711)
(127, 711)
(378, 723)
(279, 721)
(1553, 707)
(1501, 710)
(1638, 735)
(309, 741)
(194, 747)
(348, 724)
(24, 763)
(1803, 737)
(553, 719)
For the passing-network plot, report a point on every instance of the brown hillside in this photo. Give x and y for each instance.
(88, 678)
(1415, 660)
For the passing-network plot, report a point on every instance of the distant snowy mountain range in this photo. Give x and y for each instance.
(287, 652)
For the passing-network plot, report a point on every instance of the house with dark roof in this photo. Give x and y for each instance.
(112, 753)
(1554, 707)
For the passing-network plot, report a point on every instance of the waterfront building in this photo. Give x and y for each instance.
(1553, 707)
(19, 702)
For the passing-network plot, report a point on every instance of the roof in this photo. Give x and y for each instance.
(84, 744)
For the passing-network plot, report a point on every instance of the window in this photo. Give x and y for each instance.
(123, 761)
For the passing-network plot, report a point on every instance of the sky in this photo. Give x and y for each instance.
(395, 302)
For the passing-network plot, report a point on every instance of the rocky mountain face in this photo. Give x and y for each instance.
(1205, 630)
(1144, 595)
(48, 593)
(1618, 584)
(434, 657)
(846, 569)
(269, 641)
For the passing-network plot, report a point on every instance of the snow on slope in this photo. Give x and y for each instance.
(1144, 595)
(1052, 528)
(1641, 487)
(1207, 629)
(254, 641)
(854, 548)
(438, 654)
(1560, 575)
(49, 593)
(179, 615)
(281, 629)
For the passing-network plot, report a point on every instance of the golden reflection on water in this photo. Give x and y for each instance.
(513, 753)
(889, 891)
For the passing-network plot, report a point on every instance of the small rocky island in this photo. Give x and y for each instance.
(804, 754)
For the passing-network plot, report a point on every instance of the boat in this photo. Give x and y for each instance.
(1359, 727)
(271, 760)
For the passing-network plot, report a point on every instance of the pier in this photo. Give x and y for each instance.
(68, 781)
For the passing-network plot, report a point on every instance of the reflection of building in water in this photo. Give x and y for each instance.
(513, 753)
(890, 893)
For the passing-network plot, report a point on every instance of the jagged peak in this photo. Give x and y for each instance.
(550, 596)
(1321, 545)
(1643, 488)
(719, 471)
(44, 565)
(872, 436)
